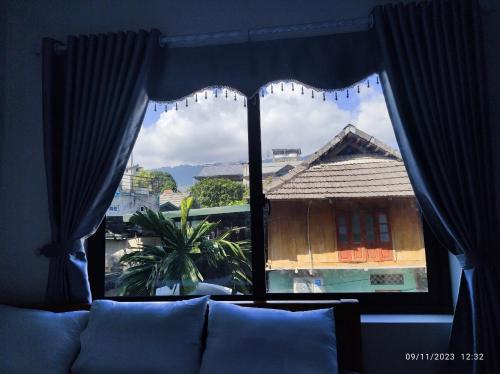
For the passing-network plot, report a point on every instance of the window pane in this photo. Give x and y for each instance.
(342, 228)
(343, 215)
(384, 233)
(193, 152)
(382, 218)
(370, 228)
(356, 228)
(383, 228)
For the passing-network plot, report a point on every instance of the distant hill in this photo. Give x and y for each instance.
(183, 174)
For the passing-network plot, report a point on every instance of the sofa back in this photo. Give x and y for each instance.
(347, 323)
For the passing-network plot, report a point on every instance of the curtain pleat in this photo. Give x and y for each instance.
(94, 99)
(433, 76)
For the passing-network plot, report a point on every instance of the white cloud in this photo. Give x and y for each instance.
(212, 130)
(292, 120)
(372, 117)
(215, 130)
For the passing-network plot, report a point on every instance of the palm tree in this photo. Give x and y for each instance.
(175, 262)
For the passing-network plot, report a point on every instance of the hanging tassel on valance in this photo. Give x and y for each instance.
(326, 95)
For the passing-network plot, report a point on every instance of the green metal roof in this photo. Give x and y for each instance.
(203, 211)
(210, 211)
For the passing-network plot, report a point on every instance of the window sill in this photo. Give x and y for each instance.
(406, 318)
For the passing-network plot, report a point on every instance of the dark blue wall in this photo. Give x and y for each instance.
(23, 201)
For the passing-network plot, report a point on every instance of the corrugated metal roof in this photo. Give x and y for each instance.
(210, 211)
(221, 170)
(274, 167)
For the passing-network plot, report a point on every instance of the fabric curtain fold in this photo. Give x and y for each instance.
(94, 99)
(433, 76)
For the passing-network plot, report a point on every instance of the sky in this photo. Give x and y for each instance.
(215, 129)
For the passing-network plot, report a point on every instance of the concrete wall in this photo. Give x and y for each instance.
(23, 220)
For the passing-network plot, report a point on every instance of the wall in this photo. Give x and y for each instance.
(387, 339)
(287, 233)
(22, 273)
(23, 219)
(3, 58)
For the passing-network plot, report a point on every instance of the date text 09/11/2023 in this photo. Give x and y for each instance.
(444, 356)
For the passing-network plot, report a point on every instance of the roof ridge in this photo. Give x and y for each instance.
(337, 139)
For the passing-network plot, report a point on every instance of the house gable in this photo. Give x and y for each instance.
(352, 141)
(352, 164)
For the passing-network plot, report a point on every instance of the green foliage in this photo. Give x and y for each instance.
(155, 180)
(212, 192)
(183, 251)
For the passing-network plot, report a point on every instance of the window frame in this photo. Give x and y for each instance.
(376, 244)
(436, 301)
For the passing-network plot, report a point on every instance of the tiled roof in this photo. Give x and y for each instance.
(174, 198)
(376, 171)
(351, 176)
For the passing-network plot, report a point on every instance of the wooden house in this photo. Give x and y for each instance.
(349, 205)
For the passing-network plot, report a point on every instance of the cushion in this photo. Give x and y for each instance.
(260, 341)
(35, 341)
(143, 337)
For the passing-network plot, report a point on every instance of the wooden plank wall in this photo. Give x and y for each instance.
(407, 234)
(287, 233)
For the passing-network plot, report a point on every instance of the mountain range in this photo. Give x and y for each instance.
(183, 174)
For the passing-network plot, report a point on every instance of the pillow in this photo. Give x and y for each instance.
(35, 341)
(143, 337)
(260, 341)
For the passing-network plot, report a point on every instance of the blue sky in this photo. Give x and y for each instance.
(343, 102)
(214, 129)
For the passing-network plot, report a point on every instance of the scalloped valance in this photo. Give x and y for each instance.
(325, 62)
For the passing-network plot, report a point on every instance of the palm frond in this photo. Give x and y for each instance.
(183, 249)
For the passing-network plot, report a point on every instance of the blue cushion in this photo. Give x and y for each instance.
(143, 337)
(260, 341)
(35, 341)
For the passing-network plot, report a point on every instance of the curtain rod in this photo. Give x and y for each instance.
(261, 34)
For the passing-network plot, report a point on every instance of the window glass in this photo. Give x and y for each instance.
(370, 228)
(343, 215)
(342, 227)
(383, 228)
(190, 161)
(356, 228)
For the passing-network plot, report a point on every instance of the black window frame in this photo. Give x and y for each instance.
(437, 300)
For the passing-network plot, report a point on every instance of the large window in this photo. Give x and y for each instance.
(294, 193)
(343, 216)
(180, 220)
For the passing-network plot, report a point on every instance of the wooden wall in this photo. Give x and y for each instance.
(287, 233)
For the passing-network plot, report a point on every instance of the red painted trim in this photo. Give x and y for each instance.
(365, 251)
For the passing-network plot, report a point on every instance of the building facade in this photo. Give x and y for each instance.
(346, 219)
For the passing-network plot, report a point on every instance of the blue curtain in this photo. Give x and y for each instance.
(94, 99)
(433, 75)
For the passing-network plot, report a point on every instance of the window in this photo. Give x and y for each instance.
(363, 244)
(188, 162)
(369, 239)
(312, 191)
(344, 213)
